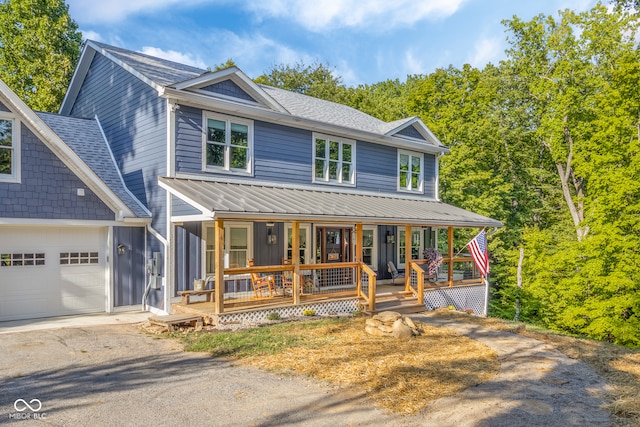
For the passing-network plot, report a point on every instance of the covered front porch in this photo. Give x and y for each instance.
(289, 252)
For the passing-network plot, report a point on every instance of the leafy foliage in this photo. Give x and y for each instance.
(39, 47)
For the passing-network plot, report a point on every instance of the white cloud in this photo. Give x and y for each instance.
(254, 54)
(485, 50)
(91, 35)
(172, 55)
(377, 14)
(412, 64)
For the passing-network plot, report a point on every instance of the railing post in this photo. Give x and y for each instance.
(407, 257)
(450, 254)
(420, 285)
(219, 266)
(295, 254)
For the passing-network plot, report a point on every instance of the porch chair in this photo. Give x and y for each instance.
(263, 286)
(287, 279)
(394, 272)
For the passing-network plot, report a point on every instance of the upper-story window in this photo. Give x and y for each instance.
(410, 171)
(9, 149)
(228, 144)
(334, 160)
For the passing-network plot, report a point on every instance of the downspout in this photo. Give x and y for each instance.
(162, 240)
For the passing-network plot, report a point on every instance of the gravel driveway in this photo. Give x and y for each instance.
(117, 375)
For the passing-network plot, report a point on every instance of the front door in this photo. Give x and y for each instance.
(334, 245)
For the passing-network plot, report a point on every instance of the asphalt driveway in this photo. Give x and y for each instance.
(118, 375)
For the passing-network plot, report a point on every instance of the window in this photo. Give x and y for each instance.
(78, 258)
(305, 232)
(228, 144)
(9, 149)
(369, 254)
(334, 160)
(410, 166)
(416, 246)
(20, 260)
(237, 246)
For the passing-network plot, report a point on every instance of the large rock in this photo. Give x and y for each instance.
(391, 324)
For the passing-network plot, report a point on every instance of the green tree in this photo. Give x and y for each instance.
(39, 47)
(317, 80)
(581, 73)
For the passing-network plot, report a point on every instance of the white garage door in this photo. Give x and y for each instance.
(51, 271)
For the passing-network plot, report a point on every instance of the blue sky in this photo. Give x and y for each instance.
(365, 41)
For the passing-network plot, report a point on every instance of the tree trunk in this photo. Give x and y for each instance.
(519, 279)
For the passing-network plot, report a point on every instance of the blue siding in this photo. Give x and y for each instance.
(411, 132)
(128, 267)
(48, 189)
(189, 140)
(188, 255)
(284, 154)
(376, 167)
(178, 207)
(430, 161)
(133, 117)
(229, 88)
(3, 107)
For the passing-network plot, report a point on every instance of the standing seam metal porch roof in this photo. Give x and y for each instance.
(263, 202)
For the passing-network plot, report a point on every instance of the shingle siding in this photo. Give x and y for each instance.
(411, 132)
(48, 189)
(228, 88)
(133, 118)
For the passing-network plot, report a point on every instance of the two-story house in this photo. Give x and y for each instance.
(318, 197)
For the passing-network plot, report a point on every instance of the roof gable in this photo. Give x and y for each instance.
(82, 135)
(230, 90)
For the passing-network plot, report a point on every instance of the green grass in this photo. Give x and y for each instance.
(259, 341)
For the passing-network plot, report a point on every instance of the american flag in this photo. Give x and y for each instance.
(478, 249)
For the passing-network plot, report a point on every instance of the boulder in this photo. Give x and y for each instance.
(391, 324)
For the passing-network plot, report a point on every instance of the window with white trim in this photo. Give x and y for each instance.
(305, 248)
(237, 246)
(228, 144)
(369, 246)
(410, 171)
(334, 160)
(9, 148)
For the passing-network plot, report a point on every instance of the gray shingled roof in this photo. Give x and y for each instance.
(169, 73)
(252, 201)
(85, 138)
(161, 71)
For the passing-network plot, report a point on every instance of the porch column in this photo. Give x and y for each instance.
(219, 266)
(450, 254)
(359, 254)
(407, 257)
(295, 254)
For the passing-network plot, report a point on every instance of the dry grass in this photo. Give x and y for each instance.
(402, 376)
(618, 366)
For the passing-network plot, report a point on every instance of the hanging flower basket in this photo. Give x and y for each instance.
(434, 260)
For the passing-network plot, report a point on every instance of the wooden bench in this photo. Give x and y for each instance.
(185, 295)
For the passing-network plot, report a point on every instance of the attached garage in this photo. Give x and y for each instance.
(52, 271)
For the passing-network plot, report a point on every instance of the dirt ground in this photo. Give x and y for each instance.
(116, 374)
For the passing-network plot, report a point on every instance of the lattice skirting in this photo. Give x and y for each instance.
(461, 297)
(329, 307)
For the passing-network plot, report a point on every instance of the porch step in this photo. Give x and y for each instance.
(171, 320)
(400, 302)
